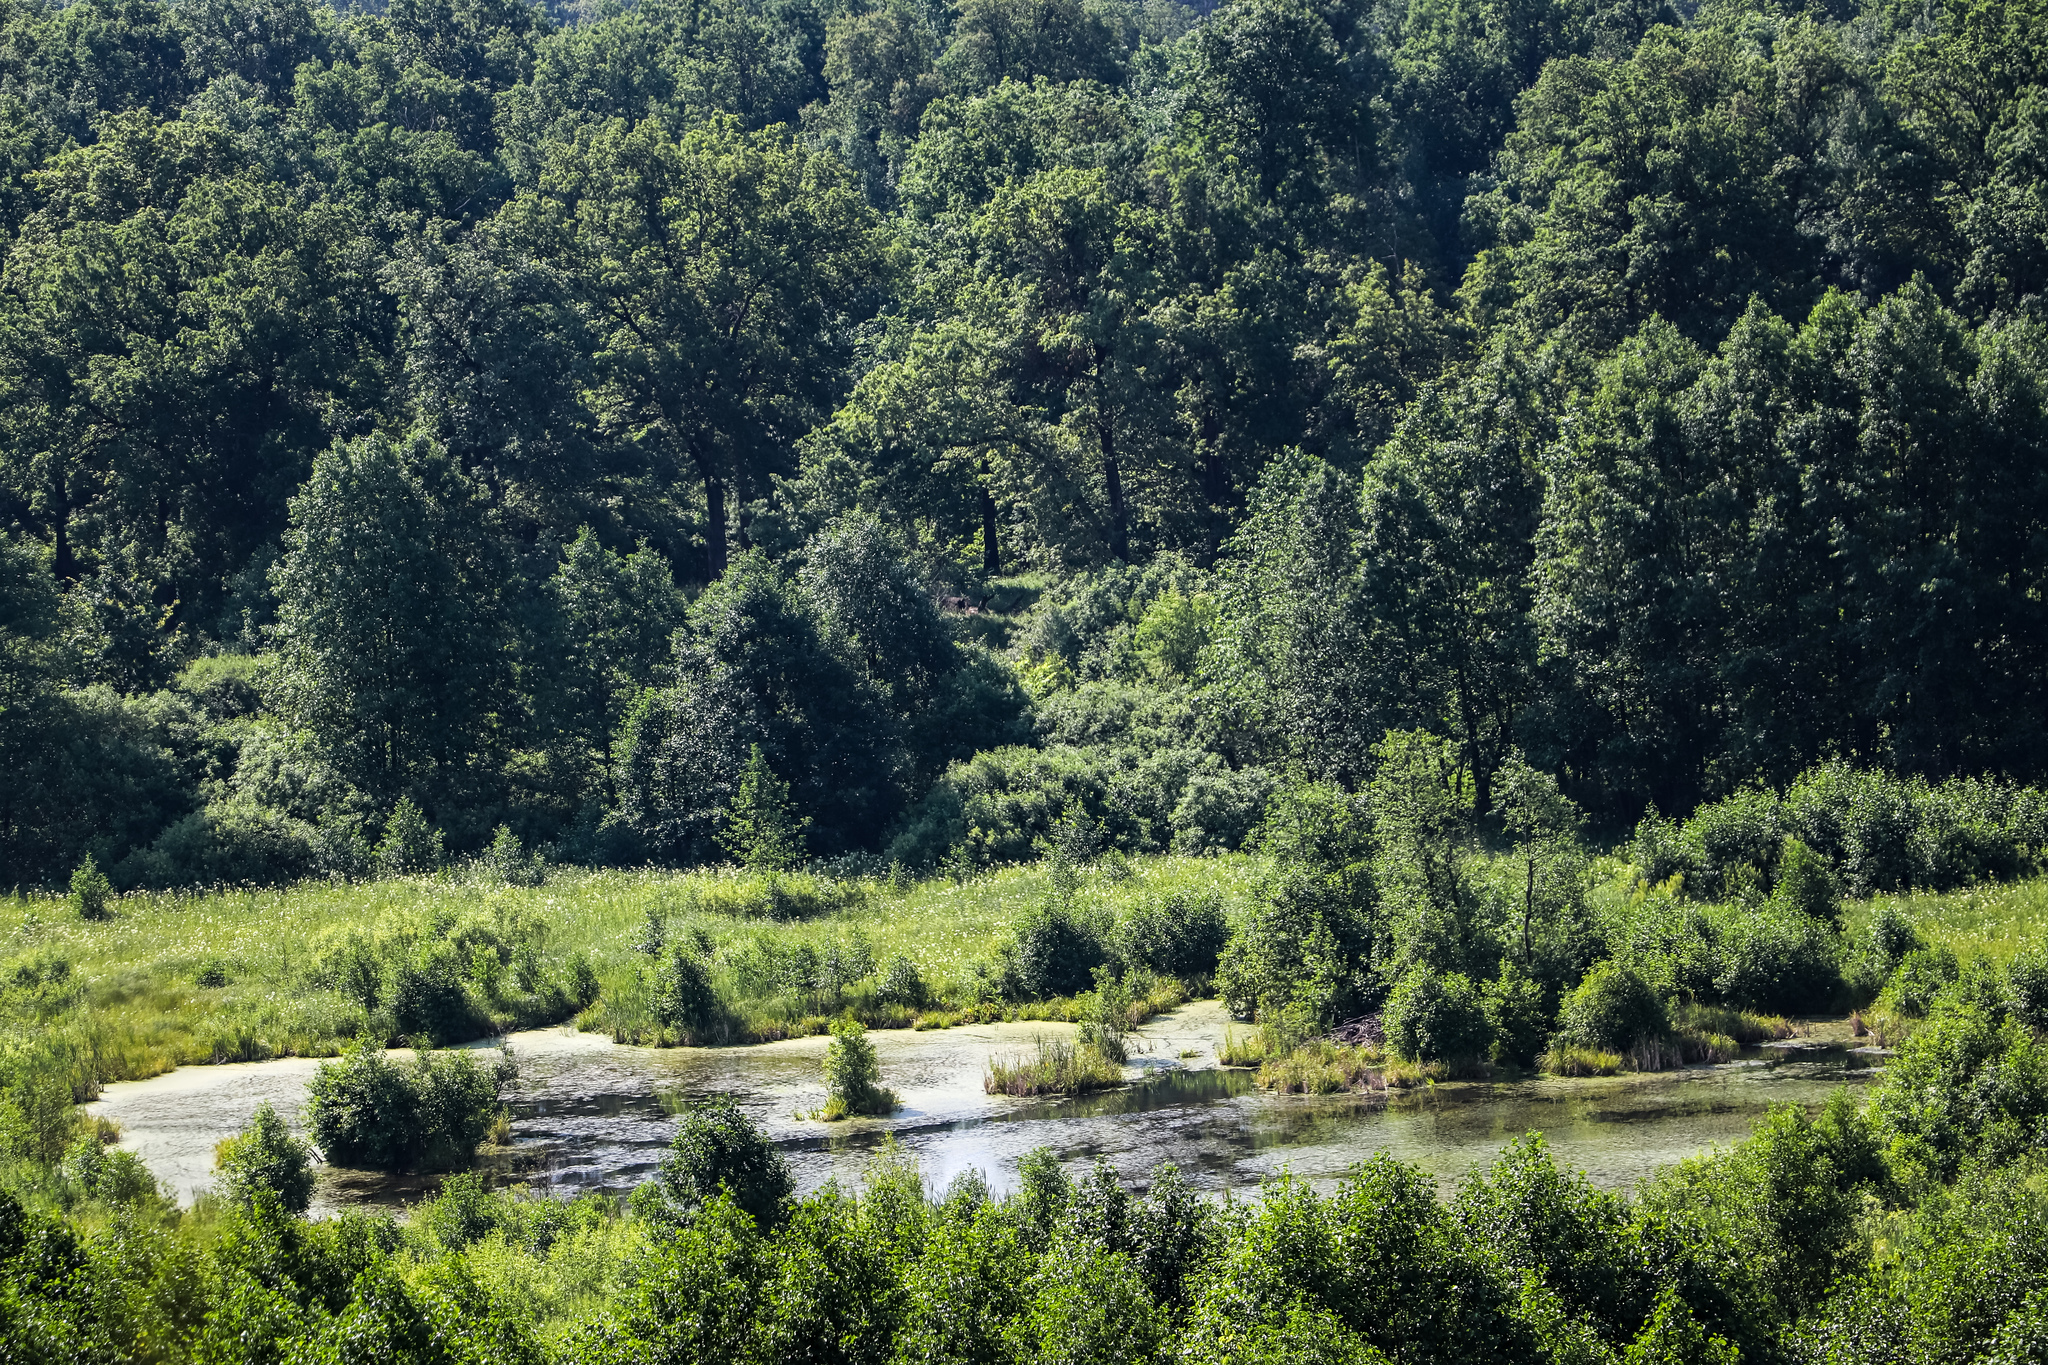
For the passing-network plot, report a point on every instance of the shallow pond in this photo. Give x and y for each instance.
(592, 1115)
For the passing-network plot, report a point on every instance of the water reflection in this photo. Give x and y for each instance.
(589, 1115)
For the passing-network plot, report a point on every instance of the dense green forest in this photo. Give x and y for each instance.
(520, 416)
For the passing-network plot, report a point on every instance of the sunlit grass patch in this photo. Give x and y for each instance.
(246, 974)
(1056, 1068)
(1992, 921)
(1568, 1060)
(1324, 1068)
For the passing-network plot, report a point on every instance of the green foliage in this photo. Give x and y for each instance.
(1431, 1017)
(1056, 953)
(266, 1160)
(1613, 1008)
(90, 891)
(410, 844)
(429, 1114)
(1172, 634)
(393, 634)
(1518, 1017)
(1179, 934)
(1308, 938)
(684, 998)
(761, 829)
(853, 1078)
(718, 1154)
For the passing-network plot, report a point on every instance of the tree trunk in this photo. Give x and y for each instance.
(1215, 487)
(1112, 473)
(991, 552)
(62, 565)
(714, 527)
(1528, 910)
(1482, 777)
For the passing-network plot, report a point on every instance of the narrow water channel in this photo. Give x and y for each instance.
(592, 1115)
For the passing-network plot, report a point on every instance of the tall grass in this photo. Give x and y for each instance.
(129, 991)
(1991, 922)
(1057, 1068)
(1325, 1068)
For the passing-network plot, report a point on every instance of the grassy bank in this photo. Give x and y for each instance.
(238, 975)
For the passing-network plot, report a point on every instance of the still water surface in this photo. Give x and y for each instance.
(592, 1115)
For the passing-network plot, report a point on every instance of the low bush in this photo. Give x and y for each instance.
(902, 984)
(1517, 1015)
(265, 1159)
(91, 893)
(430, 1114)
(683, 998)
(717, 1149)
(429, 998)
(1179, 934)
(1055, 953)
(1611, 1011)
(1921, 976)
(853, 1077)
(1779, 958)
(93, 1170)
(1437, 1017)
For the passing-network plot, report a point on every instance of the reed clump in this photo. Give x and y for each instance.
(1324, 1068)
(1570, 1059)
(1245, 1047)
(1057, 1067)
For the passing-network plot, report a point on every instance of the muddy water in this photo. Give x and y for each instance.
(591, 1115)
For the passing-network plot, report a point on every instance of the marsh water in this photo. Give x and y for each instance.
(591, 1115)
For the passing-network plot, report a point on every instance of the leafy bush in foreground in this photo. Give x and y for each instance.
(717, 1152)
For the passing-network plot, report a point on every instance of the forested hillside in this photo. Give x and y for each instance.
(465, 416)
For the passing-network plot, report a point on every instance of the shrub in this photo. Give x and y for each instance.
(410, 844)
(1892, 936)
(1778, 958)
(716, 1147)
(762, 829)
(1180, 934)
(1733, 844)
(91, 892)
(1921, 975)
(1106, 1016)
(429, 1000)
(1611, 1010)
(212, 974)
(1433, 1017)
(1517, 1015)
(111, 1176)
(265, 1158)
(431, 1114)
(902, 985)
(1219, 808)
(1658, 852)
(683, 997)
(2027, 977)
(852, 1075)
(583, 985)
(507, 860)
(1806, 884)
(1055, 954)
